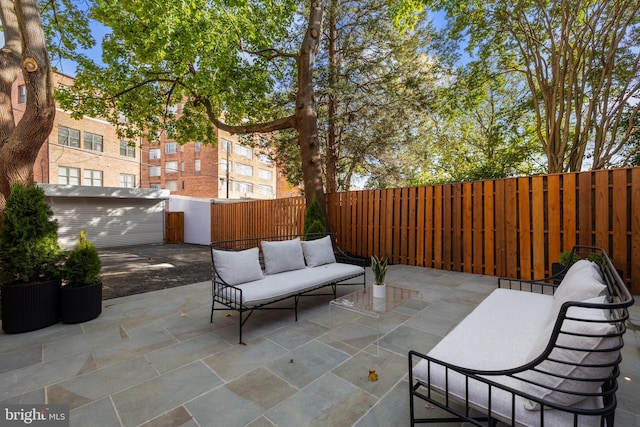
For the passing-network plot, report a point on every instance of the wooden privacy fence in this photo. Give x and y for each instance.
(514, 227)
(257, 218)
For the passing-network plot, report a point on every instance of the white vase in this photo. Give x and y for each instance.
(380, 291)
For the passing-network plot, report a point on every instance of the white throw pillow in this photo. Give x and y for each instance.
(593, 351)
(318, 252)
(236, 267)
(582, 281)
(282, 255)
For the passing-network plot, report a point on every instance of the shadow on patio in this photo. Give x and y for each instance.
(154, 359)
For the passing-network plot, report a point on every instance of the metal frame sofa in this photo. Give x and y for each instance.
(254, 273)
(532, 353)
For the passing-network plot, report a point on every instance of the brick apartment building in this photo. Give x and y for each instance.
(88, 152)
(81, 152)
(233, 169)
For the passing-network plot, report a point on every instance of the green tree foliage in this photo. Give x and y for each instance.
(180, 67)
(82, 266)
(314, 220)
(29, 249)
(579, 61)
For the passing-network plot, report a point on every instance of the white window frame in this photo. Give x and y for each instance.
(66, 177)
(197, 146)
(68, 137)
(265, 189)
(171, 185)
(243, 151)
(171, 147)
(93, 142)
(197, 165)
(92, 178)
(127, 180)
(155, 171)
(265, 174)
(243, 187)
(171, 167)
(155, 153)
(127, 150)
(242, 169)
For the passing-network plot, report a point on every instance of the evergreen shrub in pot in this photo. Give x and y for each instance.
(81, 295)
(30, 262)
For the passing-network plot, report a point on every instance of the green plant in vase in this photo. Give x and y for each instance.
(30, 261)
(379, 268)
(81, 296)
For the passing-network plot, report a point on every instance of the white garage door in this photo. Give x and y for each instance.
(109, 221)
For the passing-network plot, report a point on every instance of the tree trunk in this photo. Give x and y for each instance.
(25, 47)
(306, 115)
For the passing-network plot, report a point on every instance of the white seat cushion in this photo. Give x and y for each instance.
(499, 334)
(274, 287)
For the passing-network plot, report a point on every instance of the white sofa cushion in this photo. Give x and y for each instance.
(236, 267)
(580, 350)
(318, 252)
(284, 255)
(499, 334)
(288, 283)
(582, 281)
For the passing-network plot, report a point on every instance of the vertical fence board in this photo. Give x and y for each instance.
(569, 212)
(634, 256)
(619, 209)
(437, 228)
(553, 217)
(524, 223)
(538, 227)
(602, 204)
(585, 216)
(489, 229)
(477, 228)
(514, 227)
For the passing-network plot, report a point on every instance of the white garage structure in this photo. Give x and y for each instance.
(112, 216)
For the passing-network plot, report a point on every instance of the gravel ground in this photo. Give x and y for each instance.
(138, 269)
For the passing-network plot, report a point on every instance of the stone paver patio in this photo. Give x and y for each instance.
(155, 360)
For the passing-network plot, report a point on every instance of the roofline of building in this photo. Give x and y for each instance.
(59, 190)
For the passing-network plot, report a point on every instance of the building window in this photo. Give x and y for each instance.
(127, 150)
(154, 153)
(92, 178)
(264, 142)
(92, 142)
(243, 151)
(154, 171)
(244, 187)
(69, 137)
(68, 176)
(265, 189)
(171, 148)
(22, 94)
(242, 169)
(197, 165)
(265, 174)
(226, 146)
(265, 159)
(223, 165)
(197, 146)
(182, 166)
(127, 180)
(171, 167)
(171, 185)
(155, 186)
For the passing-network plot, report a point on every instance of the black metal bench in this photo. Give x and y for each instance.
(232, 297)
(570, 380)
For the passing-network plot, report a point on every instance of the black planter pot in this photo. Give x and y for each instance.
(556, 269)
(80, 304)
(30, 306)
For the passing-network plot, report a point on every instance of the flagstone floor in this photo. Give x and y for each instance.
(155, 360)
